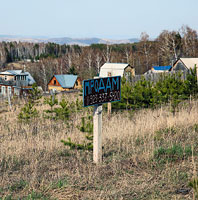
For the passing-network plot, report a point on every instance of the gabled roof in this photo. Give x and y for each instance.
(162, 68)
(189, 62)
(14, 72)
(66, 80)
(116, 69)
(29, 78)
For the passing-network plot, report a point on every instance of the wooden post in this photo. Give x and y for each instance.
(109, 109)
(97, 134)
(109, 104)
(53, 95)
(196, 73)
(9, 102)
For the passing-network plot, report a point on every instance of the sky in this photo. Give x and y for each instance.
(111, 19)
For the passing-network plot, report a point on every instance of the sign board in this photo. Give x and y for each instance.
(101, 90)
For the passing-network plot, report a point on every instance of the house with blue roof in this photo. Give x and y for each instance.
(159, 69)
(64, 82)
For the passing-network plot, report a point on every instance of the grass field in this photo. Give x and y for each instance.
(148, 154)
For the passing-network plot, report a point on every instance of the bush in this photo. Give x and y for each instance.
(146, 94)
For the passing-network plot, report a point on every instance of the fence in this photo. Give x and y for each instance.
(154, 77)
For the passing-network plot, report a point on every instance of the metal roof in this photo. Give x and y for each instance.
(30, 79)
(116, 69)
(66, 80)
(16, 72)
(190, 62)
(162, 68)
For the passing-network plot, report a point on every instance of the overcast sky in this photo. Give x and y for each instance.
(113, 19)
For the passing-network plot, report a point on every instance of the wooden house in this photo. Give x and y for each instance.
(185, 64)
(117, 69)
(12, 82)
(64, 82)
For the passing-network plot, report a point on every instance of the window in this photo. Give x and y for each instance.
(15, 78)
(0, 89)
(5, 78)
(109, 74)
(54, 82)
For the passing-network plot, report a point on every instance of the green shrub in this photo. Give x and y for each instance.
(29, 111)
(86, 127)
(146, 94)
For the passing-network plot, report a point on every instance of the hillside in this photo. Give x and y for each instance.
(65, 40)
(147, 154)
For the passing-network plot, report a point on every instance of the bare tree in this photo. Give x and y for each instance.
(169, 45)
(98, 62)
(44, 75)
(189, 41)
(107, 54)
(146, 46)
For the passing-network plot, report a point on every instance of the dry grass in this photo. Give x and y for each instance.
(34, 164)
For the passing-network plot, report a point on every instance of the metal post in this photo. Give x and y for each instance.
(97, 134)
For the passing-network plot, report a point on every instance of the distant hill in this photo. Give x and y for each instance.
(65, 40)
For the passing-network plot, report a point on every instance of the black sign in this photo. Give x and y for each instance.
(101, 90)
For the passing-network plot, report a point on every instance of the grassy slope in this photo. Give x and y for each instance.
(146, 155)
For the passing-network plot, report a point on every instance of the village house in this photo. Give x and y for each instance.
(64, 82)
(15, 82)
(158, 69)
(185, 64)
(117, 69)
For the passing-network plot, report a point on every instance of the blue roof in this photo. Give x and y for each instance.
(66, 80)
(162, 67)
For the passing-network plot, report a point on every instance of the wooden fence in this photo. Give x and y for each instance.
(154, 77)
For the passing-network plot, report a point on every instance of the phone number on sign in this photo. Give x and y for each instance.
(104, 97)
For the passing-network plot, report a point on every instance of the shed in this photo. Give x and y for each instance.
(117, 69)
(64, 82)
(185, 64)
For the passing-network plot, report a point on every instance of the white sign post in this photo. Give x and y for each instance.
(97, 134)
(95, 93)
(9, 101)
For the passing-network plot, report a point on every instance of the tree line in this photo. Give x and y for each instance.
(47, 59)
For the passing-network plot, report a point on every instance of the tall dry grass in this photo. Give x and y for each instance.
(32, 158)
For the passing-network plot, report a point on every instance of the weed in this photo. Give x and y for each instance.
(60, 183)
(194, 184)
(139, 141)
(8, 197)
(171, 154)
(18, 186)
(35, 195)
